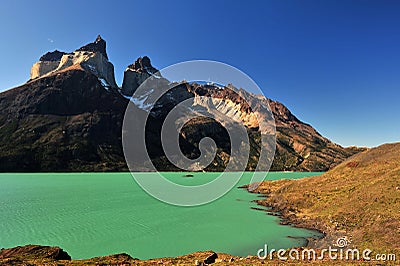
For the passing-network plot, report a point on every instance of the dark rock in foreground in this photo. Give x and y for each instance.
(34, 252)
(30, 257)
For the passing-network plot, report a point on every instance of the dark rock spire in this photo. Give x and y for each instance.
(99, 45)
(143, 64)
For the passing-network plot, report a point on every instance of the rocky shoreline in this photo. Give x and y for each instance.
(355, 204)
(288, 217)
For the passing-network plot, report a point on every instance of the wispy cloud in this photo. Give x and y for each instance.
(50, 40)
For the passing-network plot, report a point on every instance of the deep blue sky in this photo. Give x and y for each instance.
(334, 64)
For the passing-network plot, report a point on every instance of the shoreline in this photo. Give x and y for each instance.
(287, 221)
(289, 218)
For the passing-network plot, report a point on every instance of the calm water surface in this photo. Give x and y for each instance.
(95, 214)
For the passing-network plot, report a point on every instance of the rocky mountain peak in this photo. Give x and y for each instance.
(143, 65)
(52, 56)
(91, 57)
(99, 39)
(98, 46)
(136, 73)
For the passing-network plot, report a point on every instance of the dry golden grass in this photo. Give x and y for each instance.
(360, 198)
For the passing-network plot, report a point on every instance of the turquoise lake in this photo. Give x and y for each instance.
(96, 214)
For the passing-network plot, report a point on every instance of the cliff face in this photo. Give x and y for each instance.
(42, 68)
(92, 57)
(136, 73)
(47, 63)
(69, 116)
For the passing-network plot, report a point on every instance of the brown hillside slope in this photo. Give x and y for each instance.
(360, 199)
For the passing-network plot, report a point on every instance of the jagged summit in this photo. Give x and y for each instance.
(98, 46)
(136, 73)
(52, 56)
(91, 57)
(143, 64)
(98, 39)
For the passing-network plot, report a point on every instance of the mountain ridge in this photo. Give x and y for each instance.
(68, 117)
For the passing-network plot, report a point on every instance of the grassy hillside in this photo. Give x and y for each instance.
(359, 199)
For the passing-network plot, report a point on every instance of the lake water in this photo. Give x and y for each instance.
(96, 214)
